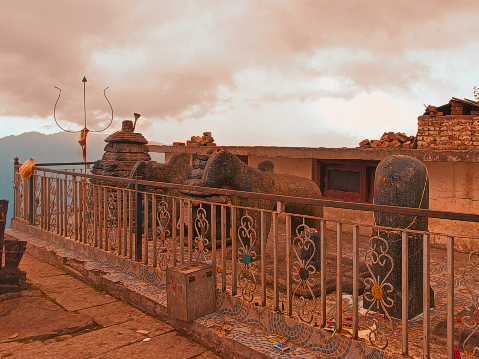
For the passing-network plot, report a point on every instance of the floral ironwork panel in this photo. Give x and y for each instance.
(112, 218)
(163, 218)
(201, 227)
(376, 292)
(37, 199)
(53, 203)
(70, 210)
(21, 193)
(470, 278)
(304, 250)
(247, 240)
(89, 215)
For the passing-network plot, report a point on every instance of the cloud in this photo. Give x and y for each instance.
(178, 61)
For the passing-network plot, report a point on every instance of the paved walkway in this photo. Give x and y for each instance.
(66, 318)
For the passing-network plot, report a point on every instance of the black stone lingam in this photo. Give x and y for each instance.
(401, 181)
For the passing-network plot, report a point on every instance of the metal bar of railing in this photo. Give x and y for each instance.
(80, 210)
(61, 209)
(450, 297)
(323, 273)
(191, 228)
(213, 237)
(95, 215)
(173, 230)
(182, 232)
(405, 292)
(65, 206)
(154, 230)
(43, 199)
(105, 218)
(275, 257)
(339, 278)
(289, 294)
(119, 219)
(47, 203)
(146, 227)
(131, 234)
(223, 248)
(263, 259)
(138, 224)
(125, 222)
(426, 295)
(355, 281)
(57, 205)
(31, 200)
(75, 206)
(234, 249)
(85, 211)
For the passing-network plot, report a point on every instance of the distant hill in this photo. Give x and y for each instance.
(58, 147)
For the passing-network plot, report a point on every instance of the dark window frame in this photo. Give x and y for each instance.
(366, 170)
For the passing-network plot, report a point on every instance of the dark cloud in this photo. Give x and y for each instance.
(164, 58)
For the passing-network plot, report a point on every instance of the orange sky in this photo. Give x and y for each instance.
(299, 73)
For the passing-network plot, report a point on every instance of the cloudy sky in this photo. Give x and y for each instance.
(284, 73)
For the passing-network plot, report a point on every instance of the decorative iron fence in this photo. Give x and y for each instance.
(265, 256)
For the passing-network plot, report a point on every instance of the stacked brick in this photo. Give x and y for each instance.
(390, 140)
(451, 132)
(458, 130)
(205, 140)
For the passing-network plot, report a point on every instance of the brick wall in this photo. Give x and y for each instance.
(450, 132)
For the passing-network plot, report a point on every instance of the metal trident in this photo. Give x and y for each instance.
(83, 132)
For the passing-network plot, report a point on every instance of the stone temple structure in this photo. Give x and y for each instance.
(123, 150)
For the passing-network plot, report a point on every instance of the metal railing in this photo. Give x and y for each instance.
(263, 255)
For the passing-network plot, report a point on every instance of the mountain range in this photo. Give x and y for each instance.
(58, 147)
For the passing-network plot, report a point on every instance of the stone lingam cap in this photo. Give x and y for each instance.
(127, 126)
(126, 135)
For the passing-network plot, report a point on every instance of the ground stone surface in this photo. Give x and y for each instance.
(27, 317)
(68, 319)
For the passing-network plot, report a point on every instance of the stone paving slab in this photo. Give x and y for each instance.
(152, 325)
(81, 298)
(81, 346)
(31, 317)
(37, 269)
(112, 313)
(165, 346)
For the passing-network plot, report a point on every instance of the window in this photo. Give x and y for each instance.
(349, 180)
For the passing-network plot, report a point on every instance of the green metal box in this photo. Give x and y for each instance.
(190, 290)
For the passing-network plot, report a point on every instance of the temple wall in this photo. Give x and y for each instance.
(453, 187)
(294, 166)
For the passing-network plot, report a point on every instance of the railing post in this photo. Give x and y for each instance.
(405, 292)
(234, 273)
(323, 274)
(263, 259)
(16, 187)
(289, 293)
(138, 222)
(355, 281)
(31, 200)
(450, 297)
(279, 206)
(339, 279)
(426, 295)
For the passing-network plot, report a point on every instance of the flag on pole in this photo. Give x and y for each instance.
(82, 142)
